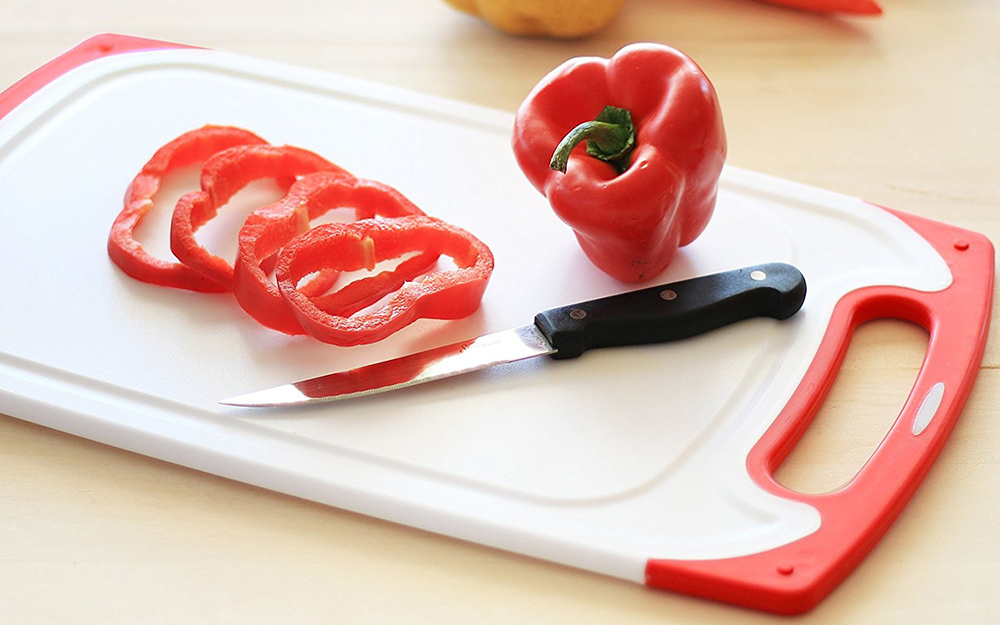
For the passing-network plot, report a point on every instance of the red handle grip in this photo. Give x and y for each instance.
(795, 577)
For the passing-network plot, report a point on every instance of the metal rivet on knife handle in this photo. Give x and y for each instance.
(668, 294)
(758, 275)
(578, 313)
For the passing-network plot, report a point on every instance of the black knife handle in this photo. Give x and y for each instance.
(674, 311)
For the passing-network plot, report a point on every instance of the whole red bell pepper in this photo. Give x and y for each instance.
(655, 147)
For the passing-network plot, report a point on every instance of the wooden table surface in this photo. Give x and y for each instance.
(901, 110)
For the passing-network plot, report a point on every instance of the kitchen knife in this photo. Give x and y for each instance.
(652, 315)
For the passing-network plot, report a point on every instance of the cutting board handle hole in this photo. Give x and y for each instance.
(860, 408)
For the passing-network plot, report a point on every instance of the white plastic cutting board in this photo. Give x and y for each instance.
(602, 462)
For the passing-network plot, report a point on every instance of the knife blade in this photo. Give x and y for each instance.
(667, 312)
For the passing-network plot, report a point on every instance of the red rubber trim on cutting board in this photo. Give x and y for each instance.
(794, 578)
(94, 48)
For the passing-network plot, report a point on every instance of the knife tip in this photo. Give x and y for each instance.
(237, 401)
(285, 395)
(249, 400)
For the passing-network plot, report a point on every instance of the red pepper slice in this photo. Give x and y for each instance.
(448, 294)
(269, 228)
(653, 115)
(186, 150)
(224, 175)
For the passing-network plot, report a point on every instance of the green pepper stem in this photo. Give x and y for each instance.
(610, 137)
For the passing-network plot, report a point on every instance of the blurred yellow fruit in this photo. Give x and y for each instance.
(550, 18)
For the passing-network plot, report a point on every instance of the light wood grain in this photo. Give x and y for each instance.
(900, 110)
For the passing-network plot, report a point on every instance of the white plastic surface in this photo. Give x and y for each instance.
(601, 462)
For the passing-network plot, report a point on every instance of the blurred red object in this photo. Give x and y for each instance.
(857, 7)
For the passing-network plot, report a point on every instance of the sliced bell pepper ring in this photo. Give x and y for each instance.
(223, 176)
(448, 294)
(362, 293)
(269, 228)
(186, 150)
